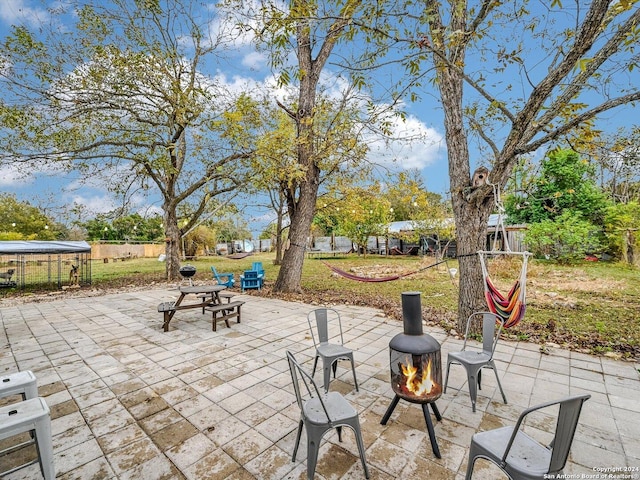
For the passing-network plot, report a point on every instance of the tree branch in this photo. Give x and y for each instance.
(576, 121)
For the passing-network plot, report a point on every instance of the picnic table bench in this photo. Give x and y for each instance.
(222, 295)
(209, 294)
(226, 311)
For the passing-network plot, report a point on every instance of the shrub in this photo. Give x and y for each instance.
(566, 239)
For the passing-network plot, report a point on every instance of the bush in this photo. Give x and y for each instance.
(566, 239)
(199, 240)
(621, 225)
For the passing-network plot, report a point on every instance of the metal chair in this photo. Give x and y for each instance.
(522, 457)
(19, 383)
(31, 416)
(330, 352)
(250, 279)
(225, 279)
(473, 360)
(320, 413)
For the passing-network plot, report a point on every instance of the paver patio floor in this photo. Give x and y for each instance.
(129, 401)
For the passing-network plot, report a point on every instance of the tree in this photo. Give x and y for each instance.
(515, 83)
(276, 170)
(197, 240)
(22, 221)
(123, 92)
(618, 158)
(327, 143)
(565, 183)
(99, 228)
(230, 227)
(409, 197)
(410, 200)
(278, 202)
(124, 228)
(565, 238)
(363, 213)
(621, 229)
(338, 154)
(312, 31)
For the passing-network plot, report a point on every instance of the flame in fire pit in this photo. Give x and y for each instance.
(415, 383)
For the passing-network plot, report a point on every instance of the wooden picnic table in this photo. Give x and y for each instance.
(209, 295)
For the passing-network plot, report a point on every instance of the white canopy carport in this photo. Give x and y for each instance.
(38, 246)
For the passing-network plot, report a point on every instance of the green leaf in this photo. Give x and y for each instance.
(583, 63)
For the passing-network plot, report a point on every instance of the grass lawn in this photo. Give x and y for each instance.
(592, 307)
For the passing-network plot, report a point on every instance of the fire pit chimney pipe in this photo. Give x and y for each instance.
(412, 313)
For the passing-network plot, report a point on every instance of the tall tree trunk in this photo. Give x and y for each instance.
(278, 259)
(469, 240)
(173, 238)
(290, 274)
(302, 209)
(279, 230)
(471, 207)
(279, 240)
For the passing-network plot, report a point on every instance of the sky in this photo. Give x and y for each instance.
(50, 188)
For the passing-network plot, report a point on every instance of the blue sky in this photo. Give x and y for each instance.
(247, 67)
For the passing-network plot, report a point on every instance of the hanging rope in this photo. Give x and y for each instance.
(358, 278)
(497, 200)
(510, 307)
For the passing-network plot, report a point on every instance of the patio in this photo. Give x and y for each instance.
(129, 401)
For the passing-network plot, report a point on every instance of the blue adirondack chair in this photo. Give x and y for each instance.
(223, 278)
(250, 279)
(257, 266)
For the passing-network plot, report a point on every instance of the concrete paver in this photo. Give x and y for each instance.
(129, 401)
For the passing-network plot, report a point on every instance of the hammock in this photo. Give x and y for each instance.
(510, 307)
(358, 278)
(397, 251)
(238, 256)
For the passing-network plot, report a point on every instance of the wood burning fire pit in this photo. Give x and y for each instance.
(416, 366)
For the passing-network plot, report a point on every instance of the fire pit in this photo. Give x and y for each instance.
(188, 271)
(416, 366)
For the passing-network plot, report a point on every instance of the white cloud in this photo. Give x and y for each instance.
(10, 176)
(19, 12)
(148, 210)
(101, 203)
(226, 26)
(415, 145)
(238, 84)
(254, 60)
(263, 219)
(238, 24)
(411, 144)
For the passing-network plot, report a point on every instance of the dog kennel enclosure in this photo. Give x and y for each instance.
(40, 263)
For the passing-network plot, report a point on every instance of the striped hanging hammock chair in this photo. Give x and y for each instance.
(510, 307)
